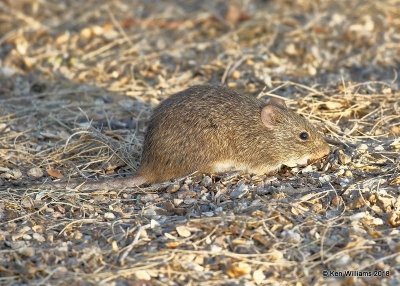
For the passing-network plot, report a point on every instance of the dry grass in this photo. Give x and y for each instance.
(78, 80)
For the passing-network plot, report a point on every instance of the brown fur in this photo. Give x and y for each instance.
(193, 129)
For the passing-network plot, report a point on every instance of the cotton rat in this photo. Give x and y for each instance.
(213, 129)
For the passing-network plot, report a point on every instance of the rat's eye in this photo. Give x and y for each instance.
(304, 135)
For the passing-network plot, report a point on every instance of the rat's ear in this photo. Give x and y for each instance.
(269, 115)
(277, 102)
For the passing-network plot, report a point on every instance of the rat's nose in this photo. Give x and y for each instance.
(322, 151)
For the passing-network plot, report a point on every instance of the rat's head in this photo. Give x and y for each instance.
(297, 141)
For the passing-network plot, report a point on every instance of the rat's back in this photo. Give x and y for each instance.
(216, 103)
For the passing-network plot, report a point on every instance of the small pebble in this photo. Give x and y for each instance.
(109, 216)
(307, 169)
(259, 277)
(184, 188)
(358, 216)
(240, 191)
(186, 194)
(342, 261)
(150, 212)
(325, 179)
(177, 202)
(209, 214)
(154, 223)
(189, 201)
(149, 198)
(183, 231)
(26, 202)
(27, 237)
(344, 158)
(236, 74)
(126, 104)
(291, 236)
(35, 172)
(114, 246)
(287, 189)
(344, 182)
(348, 173)
(78, 235)
(362, 147)
(340, 172)
(266, 190)
(14, 174)
(173, 188)
(142, 275)
(206, 181)
(38, 237)
(27, 251)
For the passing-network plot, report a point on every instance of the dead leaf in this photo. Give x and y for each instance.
(183, 231)
(35, 172)
(258, 276)
(142, 275)
(54, 173)
(173, 244)
(395, 181)
(333, 105)
(394, 219)
(239, 269)
(395, 130)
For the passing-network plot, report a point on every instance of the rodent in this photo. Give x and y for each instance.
(213, 129)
